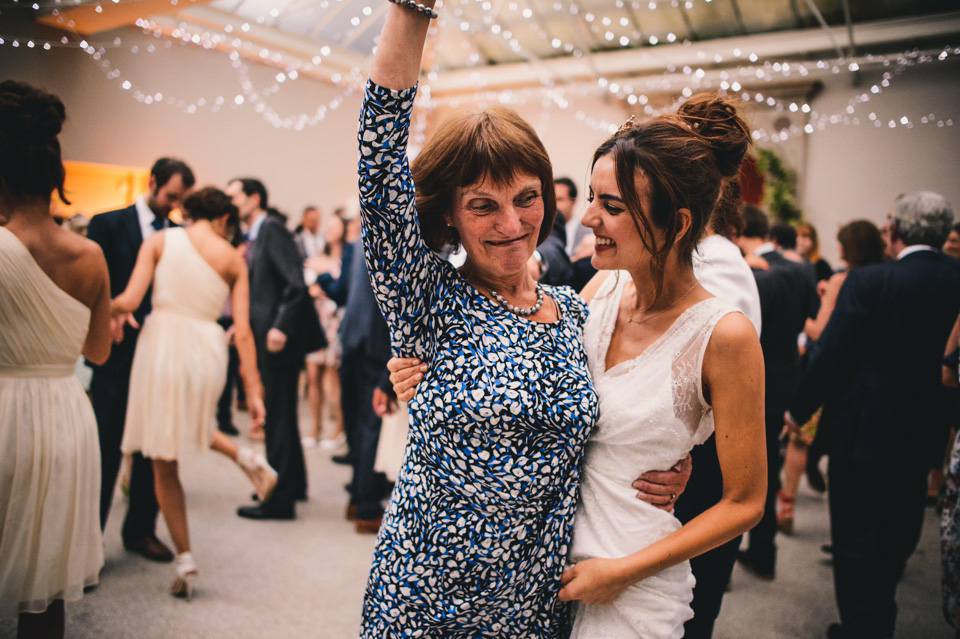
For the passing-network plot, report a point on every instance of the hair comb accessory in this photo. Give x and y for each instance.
(626, 126)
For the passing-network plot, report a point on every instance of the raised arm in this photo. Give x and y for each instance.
(814, 327)
(738, 414)
(396, 64)
(404, 272)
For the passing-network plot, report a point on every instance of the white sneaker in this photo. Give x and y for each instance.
(333, 444)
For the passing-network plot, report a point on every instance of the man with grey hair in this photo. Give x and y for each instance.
(922, 218)
(876, 372)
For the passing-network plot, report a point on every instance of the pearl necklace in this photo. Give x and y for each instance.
(516, 310)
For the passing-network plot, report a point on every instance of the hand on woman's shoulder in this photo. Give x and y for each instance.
(591, 288)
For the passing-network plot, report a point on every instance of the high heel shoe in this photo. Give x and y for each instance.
(264, 477)
(182, 587)
(785, 513)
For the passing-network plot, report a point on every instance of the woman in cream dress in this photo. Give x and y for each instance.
(180, 364)
(54, 306)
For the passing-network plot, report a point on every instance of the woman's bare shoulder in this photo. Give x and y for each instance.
(86, 276)
(732, 334)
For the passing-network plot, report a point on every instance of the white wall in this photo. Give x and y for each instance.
(105, 124)
(855, 172)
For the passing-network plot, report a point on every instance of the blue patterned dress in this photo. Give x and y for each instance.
(476, 536)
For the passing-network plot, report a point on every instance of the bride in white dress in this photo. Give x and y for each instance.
(671, 364)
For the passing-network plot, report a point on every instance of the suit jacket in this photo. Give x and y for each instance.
(876, 367)
(119, 236)
(278, 294)
(579, 232)
(554, 252)
(788, 296)
(363, 332)
(336, 288)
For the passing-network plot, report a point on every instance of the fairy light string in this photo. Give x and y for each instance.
(552, 92)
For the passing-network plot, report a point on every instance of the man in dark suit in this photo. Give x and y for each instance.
(363, 369)
(120, 234)
(581, 270)
(279, 318)
(788, 296)
(876, 371)
(555, 267)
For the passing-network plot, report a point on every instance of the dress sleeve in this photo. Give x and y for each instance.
(404, 272)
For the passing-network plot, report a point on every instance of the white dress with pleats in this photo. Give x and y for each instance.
(50, 541)
(180, 365)
(652, 412)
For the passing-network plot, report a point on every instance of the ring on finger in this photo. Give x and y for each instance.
(673, 497)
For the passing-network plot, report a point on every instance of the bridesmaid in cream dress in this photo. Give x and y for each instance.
(54, 306)
(179, 367)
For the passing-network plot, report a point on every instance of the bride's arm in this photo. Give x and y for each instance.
(738, 414)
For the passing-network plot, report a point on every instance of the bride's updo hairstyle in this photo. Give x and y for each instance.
(210, 203)
(687, 157)
(30, 163)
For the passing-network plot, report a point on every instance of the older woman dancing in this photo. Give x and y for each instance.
(475, 540)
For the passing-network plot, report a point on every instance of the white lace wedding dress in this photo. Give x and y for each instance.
(652, 412)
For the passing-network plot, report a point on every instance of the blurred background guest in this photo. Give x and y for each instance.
(323, 273)
(120, 234)
(860, 244)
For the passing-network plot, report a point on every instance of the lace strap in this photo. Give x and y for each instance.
(699, 330)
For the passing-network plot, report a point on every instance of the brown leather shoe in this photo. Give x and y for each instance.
(351, 513)
(150, 548)
(368, 526)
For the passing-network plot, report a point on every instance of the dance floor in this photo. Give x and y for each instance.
(305, 578)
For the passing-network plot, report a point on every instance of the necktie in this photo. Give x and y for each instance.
(248, 253)
(157, 224)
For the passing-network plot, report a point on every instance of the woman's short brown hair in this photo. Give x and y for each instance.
(862, 243)
(810, 231)
(468, 148)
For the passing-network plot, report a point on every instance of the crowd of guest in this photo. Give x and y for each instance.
(278, 315)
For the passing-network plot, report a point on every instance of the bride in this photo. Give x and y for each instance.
(180, 364)
(671, 364)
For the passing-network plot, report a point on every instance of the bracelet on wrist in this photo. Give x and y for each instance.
(416, 6)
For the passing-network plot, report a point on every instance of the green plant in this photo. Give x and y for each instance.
(779, 187)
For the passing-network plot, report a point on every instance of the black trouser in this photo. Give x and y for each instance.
(224, 406)
(280, 374)
(349, 399)
(876, 515)
(359, 377)
(108, 395)
(761, 539)
(712, 569)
